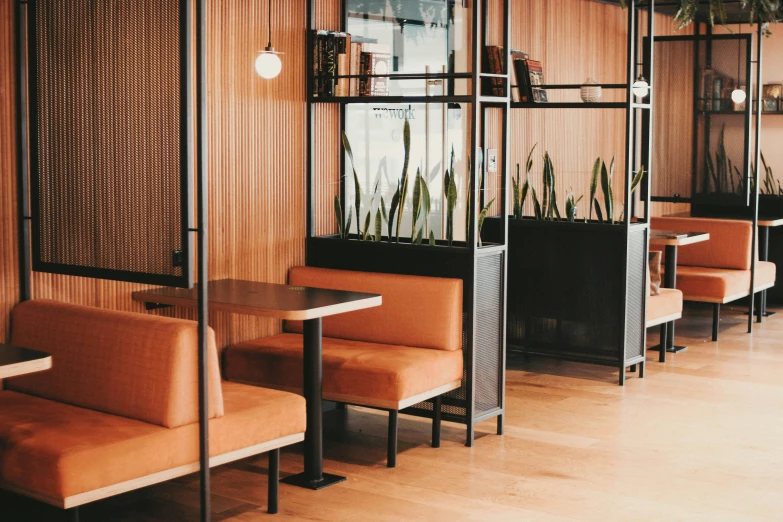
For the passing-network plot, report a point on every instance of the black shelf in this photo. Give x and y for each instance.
(392, 99)
(569, 105)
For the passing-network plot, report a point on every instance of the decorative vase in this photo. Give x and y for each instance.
(590, 91)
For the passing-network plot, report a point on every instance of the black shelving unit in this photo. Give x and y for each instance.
(747, 204)
(481, 268)
(580, 294)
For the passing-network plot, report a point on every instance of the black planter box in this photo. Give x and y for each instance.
(481, 395)
(576, 291)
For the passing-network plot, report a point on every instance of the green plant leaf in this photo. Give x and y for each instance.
(366, 230)
(378, 225)
(529, 164)
(516, 196)
(432, 238)
(482, 217)
(637, 179)
(598, 214)
(416, 202)
(338, 214)
(419, 236)
(395, 202)
(357, 187)
(594, 183)
(536, 204)
(523, 197)
(406, 143)
(606, 186)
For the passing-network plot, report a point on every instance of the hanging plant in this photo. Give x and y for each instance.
(764, 11)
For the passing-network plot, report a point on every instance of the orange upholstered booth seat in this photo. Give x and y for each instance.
(119, 408)
(403, 352)
(664, 307)
(718, 270)
(383, 357)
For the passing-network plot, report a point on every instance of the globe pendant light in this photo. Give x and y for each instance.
(738, 96)
(640, 87)
(268, 64)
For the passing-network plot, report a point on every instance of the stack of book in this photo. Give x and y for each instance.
(529, 77)
(493, 64)
(339, 59)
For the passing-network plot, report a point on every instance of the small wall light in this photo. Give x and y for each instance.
(640, 87)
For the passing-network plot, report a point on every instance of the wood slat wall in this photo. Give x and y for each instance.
(257, 149)
(256, 156)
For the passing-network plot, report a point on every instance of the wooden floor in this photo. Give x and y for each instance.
(699, 438)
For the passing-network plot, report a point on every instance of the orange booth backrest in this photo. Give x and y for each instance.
(417, 311)
(133, 365)
(728, 247)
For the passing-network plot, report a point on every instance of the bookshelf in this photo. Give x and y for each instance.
(458, 86)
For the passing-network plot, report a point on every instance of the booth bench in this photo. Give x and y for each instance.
(717, 271)
(402, 353)
(118, 410)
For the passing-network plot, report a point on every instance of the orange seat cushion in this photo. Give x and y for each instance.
(728, 247)
(417, 311)
(665, 304)
(353, 371)
(139, 366)
(54, 450)
(716, 285)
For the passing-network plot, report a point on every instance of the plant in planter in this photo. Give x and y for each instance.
(606, 176)
(450, 193)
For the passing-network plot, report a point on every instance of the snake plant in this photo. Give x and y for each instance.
(607, 175)
(450, 193)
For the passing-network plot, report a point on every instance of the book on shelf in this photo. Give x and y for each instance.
(375, 59)
(536, 75)
(521, 79)
(493, 64)
(337, 54)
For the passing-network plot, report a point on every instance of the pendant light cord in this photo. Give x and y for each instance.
(739, 55)
(269, 21)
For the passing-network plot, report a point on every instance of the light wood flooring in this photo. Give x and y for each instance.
(699, 438)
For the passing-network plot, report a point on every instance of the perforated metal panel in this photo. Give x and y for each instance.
(109, 175)
(635, 294)
(489, 332)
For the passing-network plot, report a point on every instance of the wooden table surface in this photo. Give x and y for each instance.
(16, 361)
(676, 238)
(264, 299)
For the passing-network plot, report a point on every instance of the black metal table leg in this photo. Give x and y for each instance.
(764, 255)
(670, 281)
(313, 476)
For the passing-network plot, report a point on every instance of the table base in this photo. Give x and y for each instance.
(301, 480)
(673, 349)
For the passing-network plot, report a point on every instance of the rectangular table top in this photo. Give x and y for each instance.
(16, 361)
(264, 299)
(676, 238)
(764, 221)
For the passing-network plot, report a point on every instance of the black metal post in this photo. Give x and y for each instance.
(391, 440)
(272, 493)
(22, 166)
(202, 166)
(437, 404)
(313, 476)
(309, 160)
(716, 321)
(755, 195)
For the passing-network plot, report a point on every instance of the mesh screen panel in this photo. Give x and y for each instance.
(108, 172)
(489, 335)
(636, 281)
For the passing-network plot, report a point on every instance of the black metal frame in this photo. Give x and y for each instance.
(634, 109)
(330, 251)
(194, 125)
(725, 209)
(31, 202)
